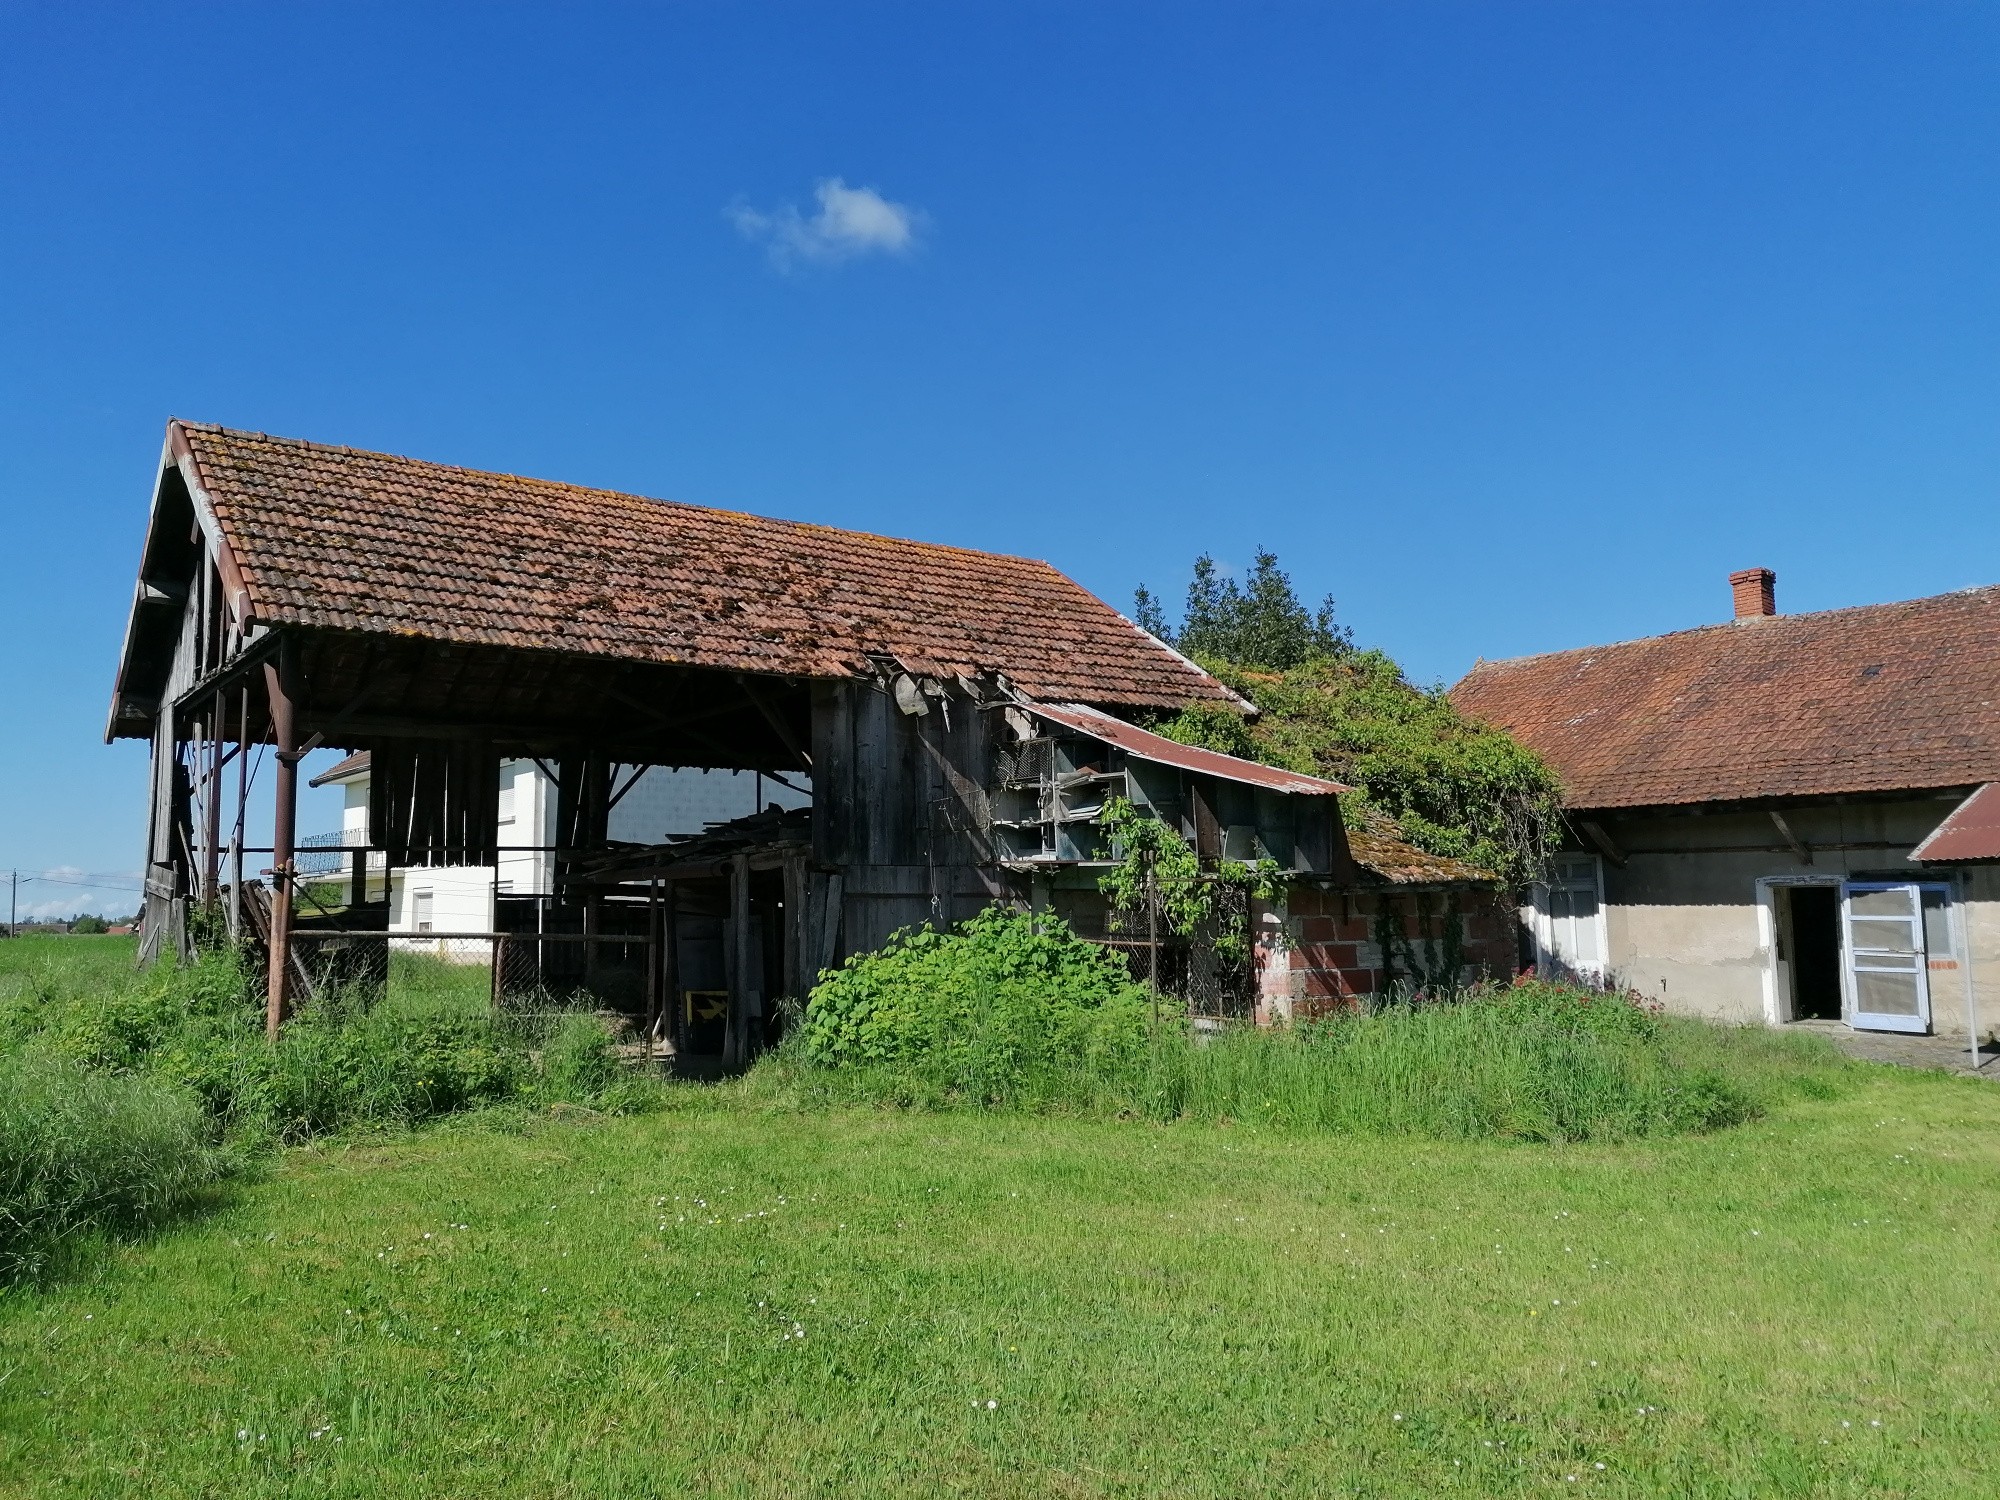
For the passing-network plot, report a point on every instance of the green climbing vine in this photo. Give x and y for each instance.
(1408, 971)
(1153, 856)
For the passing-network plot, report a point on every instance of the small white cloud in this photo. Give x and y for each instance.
(851, 222)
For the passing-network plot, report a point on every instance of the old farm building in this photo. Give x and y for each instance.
(1780, 818)
(954, 720)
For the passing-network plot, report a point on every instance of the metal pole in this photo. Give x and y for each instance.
(14, 906)
(1965, 971)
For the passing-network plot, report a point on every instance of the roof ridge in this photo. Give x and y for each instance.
(567, 487)
(1762, 623)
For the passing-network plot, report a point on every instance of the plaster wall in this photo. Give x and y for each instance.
(461, 901)
(1684, 924)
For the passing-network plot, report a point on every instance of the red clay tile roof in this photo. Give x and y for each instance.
(1149, 746)
(348, 540)
(340, 770)
(1883, 698)
(1971, 832)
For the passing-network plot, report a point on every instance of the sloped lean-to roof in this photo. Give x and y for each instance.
(1971, 832)
(1145, 745)
(340, 539)
(1881, 698)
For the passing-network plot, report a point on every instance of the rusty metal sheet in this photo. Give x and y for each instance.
(1971, 832)
(1152, 747)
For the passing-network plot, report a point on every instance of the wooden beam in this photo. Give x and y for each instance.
(1796, 844)
(1606, 845)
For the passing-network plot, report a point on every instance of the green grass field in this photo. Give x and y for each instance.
(737, 1298)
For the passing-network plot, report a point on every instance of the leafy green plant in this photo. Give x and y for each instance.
(989, 1010)
(1157, 867)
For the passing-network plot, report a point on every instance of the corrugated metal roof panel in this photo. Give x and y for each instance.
(1972, 831)
(1152, 747)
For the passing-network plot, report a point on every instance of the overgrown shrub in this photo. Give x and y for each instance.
(83, 1150)
(1453, 786)
(966, 1019)
(993, 1010)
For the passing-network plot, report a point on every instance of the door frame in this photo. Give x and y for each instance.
(1778, 1000)
(1546, 962)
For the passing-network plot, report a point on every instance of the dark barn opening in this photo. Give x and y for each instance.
(1815, 952)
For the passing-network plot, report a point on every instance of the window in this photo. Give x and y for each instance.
(1939, 943)
(506, 794)
(1569, 918)
(421, 911)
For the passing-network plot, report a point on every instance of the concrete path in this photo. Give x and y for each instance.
(1940, 1052)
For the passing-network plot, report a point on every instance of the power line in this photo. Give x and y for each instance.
(91, 885)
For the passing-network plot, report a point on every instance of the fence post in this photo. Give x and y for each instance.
(1153, 939)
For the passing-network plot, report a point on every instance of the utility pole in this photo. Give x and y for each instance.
(14, 903)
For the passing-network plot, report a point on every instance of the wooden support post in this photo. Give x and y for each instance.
(670, 969)
(211, 823)
(236, 831)
(280, 683)
(736, 1044)
(1153, 939)
(654, 957)
(794, 931)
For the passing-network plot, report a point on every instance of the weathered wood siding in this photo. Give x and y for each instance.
(899, 809)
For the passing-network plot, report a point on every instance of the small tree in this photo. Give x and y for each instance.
(1260, 623)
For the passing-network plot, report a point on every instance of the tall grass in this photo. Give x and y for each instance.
(122, 1093)
(83, 1150)
(994, 1016)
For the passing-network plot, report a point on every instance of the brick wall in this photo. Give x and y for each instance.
(1320, 950)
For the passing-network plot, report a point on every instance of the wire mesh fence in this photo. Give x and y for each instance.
(1211, 972)
(513, 973)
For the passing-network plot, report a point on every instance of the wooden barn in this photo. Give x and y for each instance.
(957, 717)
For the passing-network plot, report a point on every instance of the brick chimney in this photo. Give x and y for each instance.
(1756, 591)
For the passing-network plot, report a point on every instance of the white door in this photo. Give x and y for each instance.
(1571, 918)
(1888, 986)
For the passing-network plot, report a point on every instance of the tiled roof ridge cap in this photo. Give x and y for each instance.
(592, 490)
(1763, 625)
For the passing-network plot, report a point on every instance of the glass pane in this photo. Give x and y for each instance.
(1894, 902)
(1576, 872)
(1937, 923)
(1886, 994)
(1560, 905)
(1895, 963)
(1883, 934)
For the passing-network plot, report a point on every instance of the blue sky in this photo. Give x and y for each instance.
(1512, 326)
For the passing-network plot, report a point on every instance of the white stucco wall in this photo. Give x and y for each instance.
(1684, 924)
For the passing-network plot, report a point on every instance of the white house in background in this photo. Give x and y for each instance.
(667, 802)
